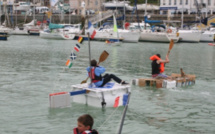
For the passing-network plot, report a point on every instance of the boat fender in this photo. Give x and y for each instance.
(169, 31)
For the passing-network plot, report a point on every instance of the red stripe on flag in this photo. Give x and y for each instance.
(76, 49)
(116, 104)
(93, 34)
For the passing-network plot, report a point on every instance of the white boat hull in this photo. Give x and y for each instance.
(154, 36)
(173, 36)
(189, 36)
(57, 35)
(105, 35)
(207, 37)
(129, 36)
(98, 95)
(18, 31)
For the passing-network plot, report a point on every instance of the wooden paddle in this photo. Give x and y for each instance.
(102, 58)
(171, 44)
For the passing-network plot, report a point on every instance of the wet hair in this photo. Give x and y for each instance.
(93, 62)
(86, 120)
(158, 55)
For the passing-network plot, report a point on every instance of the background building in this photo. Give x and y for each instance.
(188, 6)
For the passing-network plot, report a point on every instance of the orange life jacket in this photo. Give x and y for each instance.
(155, 57)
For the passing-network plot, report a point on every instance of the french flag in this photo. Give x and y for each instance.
(121, 100)
(77, 47)
(91, 30)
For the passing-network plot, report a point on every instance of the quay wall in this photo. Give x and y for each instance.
(56, 18)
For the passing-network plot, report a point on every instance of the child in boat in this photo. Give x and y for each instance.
(158, 66)
(85, 124)
(98, 79)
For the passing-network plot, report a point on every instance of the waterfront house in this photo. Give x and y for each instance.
(187, 6)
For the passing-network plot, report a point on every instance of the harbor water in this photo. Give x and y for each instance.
(31, 68)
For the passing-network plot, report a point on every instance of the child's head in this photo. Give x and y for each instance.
(85, 122)
(93, 63)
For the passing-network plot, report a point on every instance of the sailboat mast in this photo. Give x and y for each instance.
(70, 12)
(34, 10)
(124, 16)
(145, 13)
(0, 12)
(182, 15)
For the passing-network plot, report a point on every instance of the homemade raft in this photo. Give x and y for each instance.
(177, 81)
(92, 96)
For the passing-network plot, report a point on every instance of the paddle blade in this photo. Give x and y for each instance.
(103, 56)
(84, 81)
(171, 44)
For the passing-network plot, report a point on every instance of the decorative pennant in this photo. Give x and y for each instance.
(73, 56)
(69, 63)
(80, 39)
(77, 47)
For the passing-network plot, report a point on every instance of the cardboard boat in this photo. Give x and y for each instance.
(92, 96)
(177, 81)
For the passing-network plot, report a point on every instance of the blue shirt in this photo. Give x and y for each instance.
(98, 71)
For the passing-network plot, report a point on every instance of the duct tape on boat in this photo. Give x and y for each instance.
(135, 82)
(169, 84)
(59, 100)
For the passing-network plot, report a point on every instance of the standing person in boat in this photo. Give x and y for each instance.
(85, 124)
(100, 80)
(158, 66)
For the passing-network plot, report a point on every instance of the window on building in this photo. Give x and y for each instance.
(88, 2)
(170, 2)
(180, 2)
(175, 2)
(209, 2)
(164, 2)
(186, 2)
(96, 2)
(194, 3)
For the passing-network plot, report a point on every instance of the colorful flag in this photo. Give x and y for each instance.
(69, 63)
(80, 39)
(73, 56)
(77, 47)
(121, 100)
(91, 30)
(49, 14)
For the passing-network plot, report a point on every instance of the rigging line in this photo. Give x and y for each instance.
(108, 118)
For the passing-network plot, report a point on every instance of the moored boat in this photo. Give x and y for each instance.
(3, 35)
(208, 36)
(189, 35)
